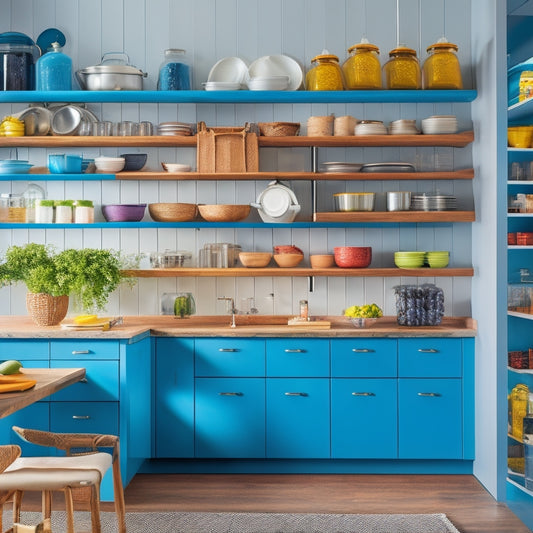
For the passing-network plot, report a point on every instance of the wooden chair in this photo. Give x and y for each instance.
(8, 454)
(78, 474)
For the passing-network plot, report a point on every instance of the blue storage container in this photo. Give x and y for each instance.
(513, 80)
(54, 71)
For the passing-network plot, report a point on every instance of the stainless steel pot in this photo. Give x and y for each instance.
(354, 201)
(398, 201)
(111, 75)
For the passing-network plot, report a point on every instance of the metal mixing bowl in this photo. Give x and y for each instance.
(354, 201)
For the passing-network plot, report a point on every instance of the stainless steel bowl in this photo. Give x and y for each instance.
(398, 201)
(354, 201)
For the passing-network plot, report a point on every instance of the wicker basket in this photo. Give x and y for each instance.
(279, 129)
(46, 310)
(173, 212)
(224, 212)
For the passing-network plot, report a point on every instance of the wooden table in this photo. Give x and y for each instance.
(49, 380)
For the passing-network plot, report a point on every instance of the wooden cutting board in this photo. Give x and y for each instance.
(310, 324)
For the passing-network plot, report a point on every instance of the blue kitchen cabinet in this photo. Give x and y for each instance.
(297, 357)
(430, 357)
(230, 417)
(298, 418)
(364, 418)
(174, 397)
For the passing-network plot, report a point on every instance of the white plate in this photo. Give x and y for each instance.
(277, 65)
(229, 69)
(222, 86)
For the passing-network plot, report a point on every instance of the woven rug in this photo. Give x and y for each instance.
(166, 522)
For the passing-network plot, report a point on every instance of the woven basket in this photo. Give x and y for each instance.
(46, 310)
(279, 129)
(173, 212)
(224, 212)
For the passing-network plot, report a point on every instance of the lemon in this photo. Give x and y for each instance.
(86, 319)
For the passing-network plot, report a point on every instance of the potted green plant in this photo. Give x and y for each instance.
(88, 275)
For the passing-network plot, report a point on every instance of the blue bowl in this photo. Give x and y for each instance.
(65, 164)
(15, 169)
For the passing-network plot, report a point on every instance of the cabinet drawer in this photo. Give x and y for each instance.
(84, 349)
(229, 357)
(101, 381)
(84, 417)
(297, 357)
(24, 350)
(363, 357)
(431, 357)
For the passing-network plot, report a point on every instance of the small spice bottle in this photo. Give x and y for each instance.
(83, 212)
(402, 70)
(362, 69)
(63, 211)
(325, 73)
(441, 69)
(44, 211)
(304, 310)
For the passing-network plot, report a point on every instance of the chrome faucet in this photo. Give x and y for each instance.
(233, 309)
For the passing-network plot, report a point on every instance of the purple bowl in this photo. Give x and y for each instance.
(123, 212)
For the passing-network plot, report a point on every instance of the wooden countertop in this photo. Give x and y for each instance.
(49, 380)
(135, 327)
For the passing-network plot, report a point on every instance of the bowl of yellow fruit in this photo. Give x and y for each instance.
(363, 316)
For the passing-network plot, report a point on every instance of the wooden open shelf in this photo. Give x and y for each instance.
(396, 216)
(299, 272)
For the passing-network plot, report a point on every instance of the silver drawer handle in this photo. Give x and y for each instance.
(296, 394)
(362, 350)
(295, 350)
(363, 394)
(80, 352)
(84, 380)
(228, 350)
(81, 417)
(428, 350)
(230, 394)
(432, 394)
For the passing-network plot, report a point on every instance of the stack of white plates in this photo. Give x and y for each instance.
(228, 74)
(433, 202)
(275, 66)
(268, 83)
(403, 127)
(438, 124)
(370, 127)
(222, 86)
(339, 166)
(174, 128)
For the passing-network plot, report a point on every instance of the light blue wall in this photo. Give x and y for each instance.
(210, 30)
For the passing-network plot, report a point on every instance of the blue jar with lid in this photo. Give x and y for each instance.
(54, 71)
(174, 72)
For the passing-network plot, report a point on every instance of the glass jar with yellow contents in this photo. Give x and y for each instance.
(325, 73)
(362, 69)
(441, 69)
(519, 407)
(402, 70)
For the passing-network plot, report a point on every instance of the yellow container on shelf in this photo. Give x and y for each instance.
(362, 69)
(325, 73)
(402, 70)
(520, 136)
(441, 69)
(519, 405)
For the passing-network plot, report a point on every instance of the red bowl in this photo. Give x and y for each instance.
(353, 256)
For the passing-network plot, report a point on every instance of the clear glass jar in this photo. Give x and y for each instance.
(304, 310)
(12, 208)
(519, 404)
(174, 72)
(32, 194)
(53, 71)
(325, 74)
(362, 69)
(402, 70)
(441, 69)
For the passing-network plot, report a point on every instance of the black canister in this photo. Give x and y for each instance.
(18, 54)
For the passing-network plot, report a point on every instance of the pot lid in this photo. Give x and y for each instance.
(276, 199)
(112, 69)
(15, 37)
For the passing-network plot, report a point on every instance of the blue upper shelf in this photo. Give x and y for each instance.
(236, 97)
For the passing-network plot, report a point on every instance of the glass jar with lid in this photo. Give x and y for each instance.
(325, 73)
(174, 72)
(441, 69)
(519, 407)
(12, 208)
(402, 70)
(32, 194)
(362, 69)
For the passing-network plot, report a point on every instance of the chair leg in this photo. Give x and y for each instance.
(46, 498)
(95, 509)
(17, 504)
(69, 508)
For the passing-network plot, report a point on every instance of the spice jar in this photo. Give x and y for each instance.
(83, 212)
(362, 69)
(174, 72)
(304, 310)
(44, 211)
(441, 69)
(519, 404)
(12, 208)
(402, 70)
(325, 74)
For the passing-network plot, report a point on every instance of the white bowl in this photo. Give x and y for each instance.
(109, 164)
(222, 86)
(176, 167)
(268, 83)
(228, 69)
(277, 65)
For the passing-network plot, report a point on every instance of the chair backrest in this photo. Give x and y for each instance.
(8, 453)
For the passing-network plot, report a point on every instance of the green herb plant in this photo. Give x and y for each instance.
(88, 275)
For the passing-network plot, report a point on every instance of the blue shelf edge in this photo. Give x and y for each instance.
(218, 225)
(237, 97)
(56, 177)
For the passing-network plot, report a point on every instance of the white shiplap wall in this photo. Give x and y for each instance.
(210, 30)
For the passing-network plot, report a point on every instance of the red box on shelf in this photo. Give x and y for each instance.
(511, 238)
(524, 238)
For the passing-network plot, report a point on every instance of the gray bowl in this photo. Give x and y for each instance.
(134, 161)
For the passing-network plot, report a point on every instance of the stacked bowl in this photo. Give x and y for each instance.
(403, 127)
(439, 124)
(437, 259)
(14, 166)
(409, 259)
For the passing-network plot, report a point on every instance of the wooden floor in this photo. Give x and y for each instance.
(461, 497)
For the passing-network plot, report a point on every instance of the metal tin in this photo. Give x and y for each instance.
(354, 201)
